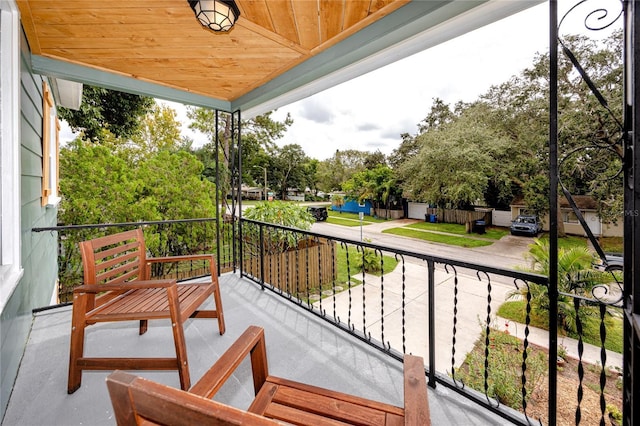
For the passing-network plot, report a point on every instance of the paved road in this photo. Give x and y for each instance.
(508, 253)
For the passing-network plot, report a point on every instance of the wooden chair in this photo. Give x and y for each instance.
(139, 401)
(117, 287)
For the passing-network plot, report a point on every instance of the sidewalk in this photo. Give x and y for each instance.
(540, 337)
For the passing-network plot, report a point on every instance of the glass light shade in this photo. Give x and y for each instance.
(217, 15)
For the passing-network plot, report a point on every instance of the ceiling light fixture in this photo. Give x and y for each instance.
(217, 15)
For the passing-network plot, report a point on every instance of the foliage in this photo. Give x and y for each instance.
(280, 213)
(504, 370)
(120, 181)
(347, 259)
(259, 135)
(495, 148)
(377, 185)
(337, 200)
(452, 167)
(158, 131)
(575, 276)
(104, 109)
(333, 172)
(289, 165)
(367, 259)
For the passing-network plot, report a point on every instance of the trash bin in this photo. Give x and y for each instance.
(479, 226)
(433, 218)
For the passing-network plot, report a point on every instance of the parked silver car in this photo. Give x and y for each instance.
(526, 225)
(614, 262)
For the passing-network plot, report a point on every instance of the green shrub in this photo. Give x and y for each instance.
(505, 368)
(279, 213)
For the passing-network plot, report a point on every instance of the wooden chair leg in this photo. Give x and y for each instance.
(178, 338)
(143, 326)
(76, 349)
(218, 300)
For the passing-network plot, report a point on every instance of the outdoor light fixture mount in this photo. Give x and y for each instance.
(217, 15)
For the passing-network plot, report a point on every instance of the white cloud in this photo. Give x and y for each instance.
(385, 103)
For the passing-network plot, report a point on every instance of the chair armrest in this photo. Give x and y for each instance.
(136, 400)
(250, 342)
(131, 285)
(416, 401)
(183, 258)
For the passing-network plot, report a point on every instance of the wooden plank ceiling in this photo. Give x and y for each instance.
(160, 41)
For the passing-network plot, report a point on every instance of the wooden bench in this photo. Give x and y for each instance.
(117, 287)
(139, 401)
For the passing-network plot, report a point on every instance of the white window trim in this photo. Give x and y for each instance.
(10, 263)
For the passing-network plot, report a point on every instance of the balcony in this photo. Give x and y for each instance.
(300, 346)
(331, 324)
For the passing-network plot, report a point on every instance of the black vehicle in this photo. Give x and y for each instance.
(320, 213)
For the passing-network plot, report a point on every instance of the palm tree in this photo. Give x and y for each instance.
(575, 276)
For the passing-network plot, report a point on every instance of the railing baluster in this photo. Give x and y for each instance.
(432, 321)
(576, 304)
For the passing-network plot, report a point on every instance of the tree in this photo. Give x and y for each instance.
(496, 148)
(339, 168)
(439, 116)
(452, 168)
(158, 131)
(377, 185)
(289, 168)
(409, 147)
(104, 109)
(258, 143)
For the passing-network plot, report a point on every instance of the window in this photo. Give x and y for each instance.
(10, 263)
(569, 217)
(50, 149)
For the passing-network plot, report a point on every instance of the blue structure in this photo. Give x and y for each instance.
(352, 206)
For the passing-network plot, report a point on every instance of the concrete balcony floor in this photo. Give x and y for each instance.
(300, 347)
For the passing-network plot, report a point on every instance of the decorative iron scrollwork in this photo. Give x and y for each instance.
(598, 158)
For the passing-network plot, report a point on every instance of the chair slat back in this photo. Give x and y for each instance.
(115, 258)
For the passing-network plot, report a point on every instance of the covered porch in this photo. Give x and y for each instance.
(300, 346)
(64, 41)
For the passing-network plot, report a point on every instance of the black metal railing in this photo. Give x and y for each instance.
(444, 310)
(162, 238)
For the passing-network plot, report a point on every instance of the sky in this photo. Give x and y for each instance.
(370, 112)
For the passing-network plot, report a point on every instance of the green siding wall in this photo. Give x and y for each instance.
(39, 250)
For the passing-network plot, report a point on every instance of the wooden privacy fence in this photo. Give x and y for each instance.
(461, 217)
(300, 270)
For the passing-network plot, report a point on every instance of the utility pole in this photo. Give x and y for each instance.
(265, 183)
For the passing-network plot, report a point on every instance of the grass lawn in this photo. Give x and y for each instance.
(492, 233)
(515, 310)
(438, 238)
(611, 244)
(354, 216)
(346, 222)
(568, 242)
